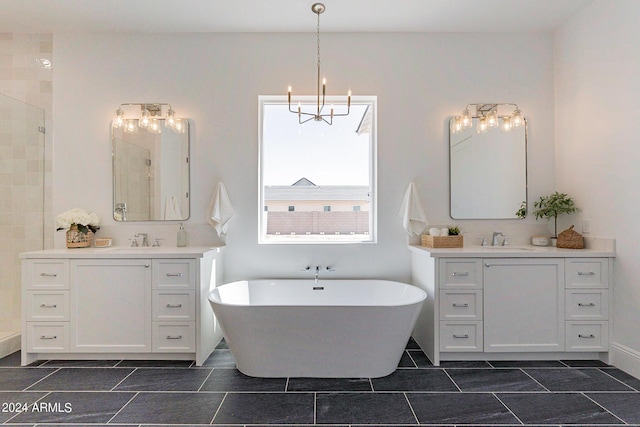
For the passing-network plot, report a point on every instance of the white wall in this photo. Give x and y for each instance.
(597, 66)
(215, 79)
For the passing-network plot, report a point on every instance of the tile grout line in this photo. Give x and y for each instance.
(122, 380)
(535, 380)
(608, 411)
(619, 380)
(135, 394)
(411, 407)
(205, 380)
(451, 379)
(219, 406)
(41, 379)
(46, 393)
(508, 409)
(415, 365)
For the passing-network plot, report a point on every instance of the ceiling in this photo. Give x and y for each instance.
(194, 16)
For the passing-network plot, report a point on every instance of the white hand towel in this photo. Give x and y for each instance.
(220, 210)
(171, 209)
(414, 220)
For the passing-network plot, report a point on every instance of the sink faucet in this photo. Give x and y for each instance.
(145, 239)
(494, 240)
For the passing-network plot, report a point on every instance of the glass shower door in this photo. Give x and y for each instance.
(21, 202)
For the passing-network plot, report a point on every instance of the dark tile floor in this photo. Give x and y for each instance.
(539, 393)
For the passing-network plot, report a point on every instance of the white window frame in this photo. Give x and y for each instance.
(372, 236)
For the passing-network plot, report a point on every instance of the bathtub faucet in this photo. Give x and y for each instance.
(317, 273)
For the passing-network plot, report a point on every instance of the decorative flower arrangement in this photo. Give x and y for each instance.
(83, 220)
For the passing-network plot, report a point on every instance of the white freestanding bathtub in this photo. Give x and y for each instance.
(332, 328)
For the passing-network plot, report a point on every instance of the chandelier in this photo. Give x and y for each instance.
(488, 118)
(149, 119)
(320, 114)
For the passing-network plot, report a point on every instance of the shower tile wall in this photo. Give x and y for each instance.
(26, 75)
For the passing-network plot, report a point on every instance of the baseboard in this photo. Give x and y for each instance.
(9, 345)
(626, 359)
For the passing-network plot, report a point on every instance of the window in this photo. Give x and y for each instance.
(327, 172)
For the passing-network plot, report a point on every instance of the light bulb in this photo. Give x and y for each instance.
(456, 125)
(483, 126)
(118, 121)
(180, 126)
(466, 119)
(131, 126)
(154, 126)
(507, 124)
(517, 118)
(170, 121)
(492, 119)
(144, 118)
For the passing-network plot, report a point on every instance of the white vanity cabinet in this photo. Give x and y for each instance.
(96, 303)
(111, 305)
(524, 304)
(494, 304)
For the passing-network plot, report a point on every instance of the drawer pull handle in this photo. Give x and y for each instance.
(174, 337)
(48, 305)
(174, 274)
(460, 274)
(586, 273)
(147, 266)
(589, 304)
(590, 336)
(48, 275)
(174, 305)
(465, 305)
(50, 337)
(461, 336)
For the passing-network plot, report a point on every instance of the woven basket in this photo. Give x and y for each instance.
(442, 241)
(570, 239)
(76, 239)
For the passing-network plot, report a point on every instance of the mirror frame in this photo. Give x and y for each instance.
(526, 174)
(187, 133)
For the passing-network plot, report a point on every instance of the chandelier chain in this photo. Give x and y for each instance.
(318, 38)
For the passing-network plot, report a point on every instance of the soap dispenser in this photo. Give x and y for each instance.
(183, 237)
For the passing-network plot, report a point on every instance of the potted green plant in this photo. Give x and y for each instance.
(553, 205)
(454, 230)
(522, 211)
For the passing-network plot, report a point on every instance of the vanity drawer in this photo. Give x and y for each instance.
(587, 304)
(461, 336)
(174, 305)
(460, 273)
(47, 337)
(587, 273)
(174, 337)
(174, 274)
(46, 274)
(460, 305)
(587, 336)
(47, 305)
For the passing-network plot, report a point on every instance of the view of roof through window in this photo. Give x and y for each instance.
(316, 179)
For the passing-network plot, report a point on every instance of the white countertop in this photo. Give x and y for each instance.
(124, 252)
(603, 250)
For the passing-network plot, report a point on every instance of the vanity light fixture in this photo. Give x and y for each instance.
(150, 113)
(318, 115)
(488, 117)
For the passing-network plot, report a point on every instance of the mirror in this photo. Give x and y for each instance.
(488, 173)
(150, 174)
